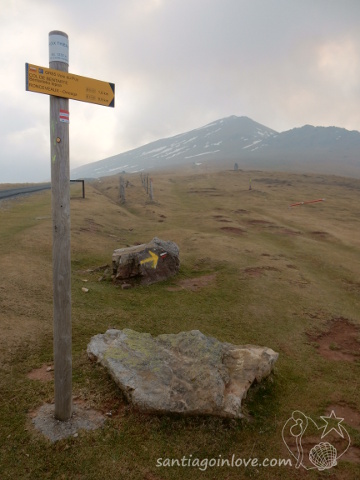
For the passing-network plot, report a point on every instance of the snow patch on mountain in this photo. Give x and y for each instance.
(237, 140)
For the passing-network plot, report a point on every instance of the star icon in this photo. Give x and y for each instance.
(332, 423)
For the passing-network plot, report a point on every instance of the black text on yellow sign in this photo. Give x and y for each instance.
(67, 85)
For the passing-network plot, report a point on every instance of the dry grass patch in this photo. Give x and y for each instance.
(263, 283)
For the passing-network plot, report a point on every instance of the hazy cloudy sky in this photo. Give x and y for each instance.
(177, 65)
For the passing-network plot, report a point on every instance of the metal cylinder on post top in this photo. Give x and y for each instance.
(60, 199)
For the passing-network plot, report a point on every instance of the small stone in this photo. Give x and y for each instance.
(49, 369)
(85, 289)
(126, 286)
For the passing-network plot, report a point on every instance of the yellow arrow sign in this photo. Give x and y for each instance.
(153, 259)
(66, 85)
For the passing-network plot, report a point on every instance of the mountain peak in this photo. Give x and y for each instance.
(235, 139)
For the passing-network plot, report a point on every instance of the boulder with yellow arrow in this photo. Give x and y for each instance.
(146, 263)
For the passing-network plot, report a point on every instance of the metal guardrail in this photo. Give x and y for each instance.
(12, 192)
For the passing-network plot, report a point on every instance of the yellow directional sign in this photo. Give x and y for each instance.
(153, 259)
(68, 85)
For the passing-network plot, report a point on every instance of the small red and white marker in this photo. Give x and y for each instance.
(64, 116)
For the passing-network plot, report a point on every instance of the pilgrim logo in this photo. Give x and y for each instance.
(315, 446)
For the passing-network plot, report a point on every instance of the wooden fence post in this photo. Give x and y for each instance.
(151, 191)
(122, 190)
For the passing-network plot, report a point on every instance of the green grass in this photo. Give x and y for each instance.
(271, 288)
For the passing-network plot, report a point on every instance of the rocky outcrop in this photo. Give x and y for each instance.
(147, 263)
(186, 373)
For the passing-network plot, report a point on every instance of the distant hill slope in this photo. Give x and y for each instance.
(329, 150)
(233, 139)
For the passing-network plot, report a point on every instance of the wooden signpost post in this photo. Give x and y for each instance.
(62, 86)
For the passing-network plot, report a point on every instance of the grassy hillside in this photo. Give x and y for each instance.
(252, 270)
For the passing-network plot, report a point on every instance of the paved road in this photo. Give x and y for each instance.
(21, 191)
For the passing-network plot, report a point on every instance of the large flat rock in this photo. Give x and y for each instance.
(186, 373)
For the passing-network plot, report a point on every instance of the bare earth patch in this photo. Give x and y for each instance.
(241, 210)
(43, 374)
(236, 230)
(345, 451)
(352, 286)
(320, 234)
(194, 284)
(287, 231)
(259, 271)
(351, 455)
(221, 218)
(259, 222)
(340, 342)
(350, 415)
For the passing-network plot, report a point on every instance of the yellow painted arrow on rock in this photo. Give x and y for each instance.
(153, 259)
